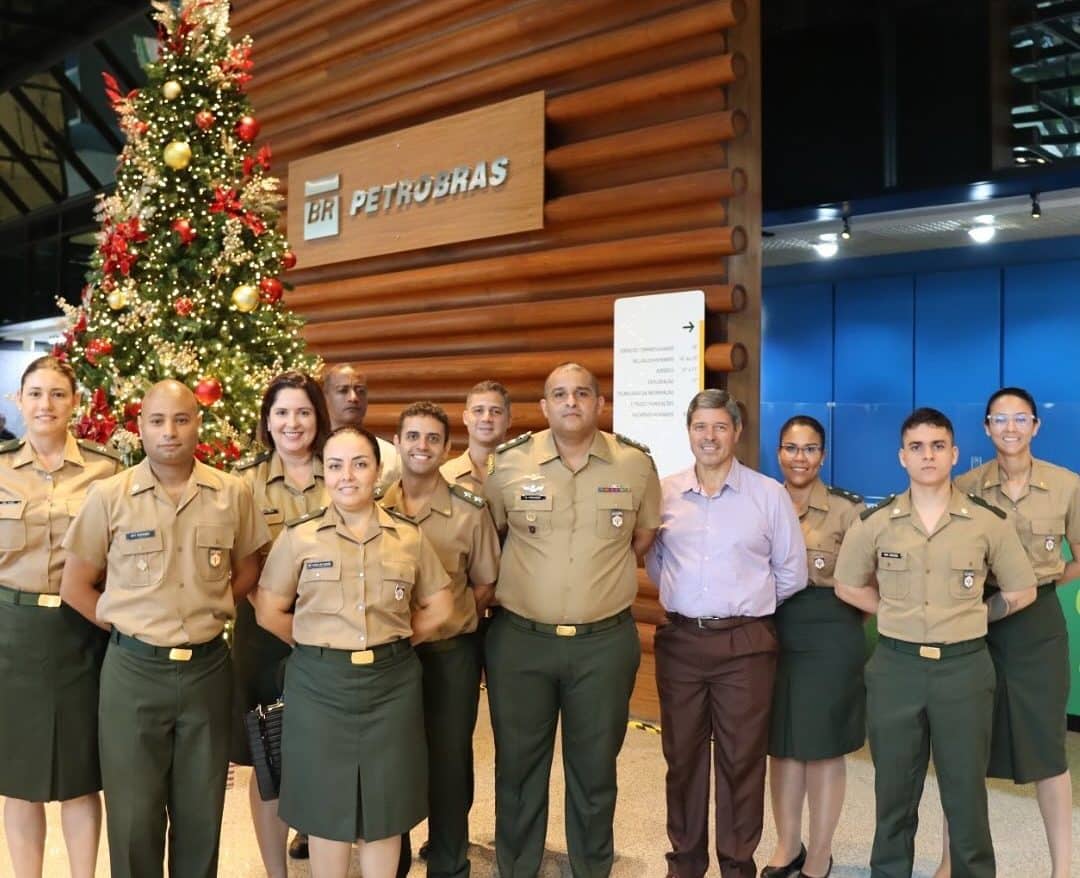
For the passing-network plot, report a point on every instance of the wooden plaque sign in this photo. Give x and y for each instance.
(474, 175)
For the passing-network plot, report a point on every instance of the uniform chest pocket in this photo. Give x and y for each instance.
(893, 574)
(273, 517)
(398, 580)
(531, 517)
(967, 573)
(820, 557)
(320, 589)
(142, 560)
(615, 515)
(12, 525)
(74, 504)
(213, 547)
(1046, 536)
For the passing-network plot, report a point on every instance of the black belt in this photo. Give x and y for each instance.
(933, 651)
(575, 630)
(29, 598)
(357, 656)
(184, 653)
(715, 623)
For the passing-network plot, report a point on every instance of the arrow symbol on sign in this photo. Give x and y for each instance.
(689, 327)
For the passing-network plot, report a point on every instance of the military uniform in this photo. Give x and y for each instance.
(930, 682)
(259, 656)
(459, 527)
(353, 754)
(460, 471)
(1031, 649)
(564, 641)
(166, 681)
(50, 656)
(819, 699)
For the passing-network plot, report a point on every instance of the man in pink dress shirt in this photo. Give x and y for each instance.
(728, 552)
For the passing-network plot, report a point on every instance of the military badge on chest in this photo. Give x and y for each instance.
(532, 492)
(399, 593)
(819, 563)
(969, 578)
(1050, 544)
(216, 558)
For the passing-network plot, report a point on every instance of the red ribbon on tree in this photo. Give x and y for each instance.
(116, 246)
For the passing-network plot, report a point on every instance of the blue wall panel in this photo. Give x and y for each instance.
(874, 341)
(797, 342)
(865, 446)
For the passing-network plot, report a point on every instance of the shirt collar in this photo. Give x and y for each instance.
(379, 520)
(819, 496)
(460, 466)
(546, 449)
(440, 500)
(277, 470)
(687, 480)
(960, 504)
(26, 453)
(143, 479)
(1040, 474)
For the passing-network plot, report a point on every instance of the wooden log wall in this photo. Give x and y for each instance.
(652, 183)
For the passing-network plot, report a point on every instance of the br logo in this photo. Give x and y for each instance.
(322, 210)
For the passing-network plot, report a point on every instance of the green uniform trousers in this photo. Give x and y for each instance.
(164, 745)
(915, 705)
(533, 679)
(451, 694)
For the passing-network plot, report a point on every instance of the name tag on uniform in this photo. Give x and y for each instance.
(139, 534)
(318, 565)
(613, 489)
(890, 554)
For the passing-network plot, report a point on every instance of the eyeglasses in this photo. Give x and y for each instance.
(1020, 419)
(792, 450)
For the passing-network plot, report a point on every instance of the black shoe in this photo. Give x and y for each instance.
(788, 870)
(298, 847)
(424, 848)
(828, 872)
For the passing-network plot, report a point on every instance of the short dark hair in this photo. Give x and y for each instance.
(930, 417)
(296, 381)
(1018, 392)
(803, 421)
(54, 364)
(490, 386)
(712, 398)
(424, 408)
(363, 433)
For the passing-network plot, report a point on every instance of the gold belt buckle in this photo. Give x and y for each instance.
(179, 654)
(362, 657)
(48, 600)
(566, 630)
(930, 652)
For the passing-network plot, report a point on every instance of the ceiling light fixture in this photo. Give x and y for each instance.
(982, 234)
(846, 233)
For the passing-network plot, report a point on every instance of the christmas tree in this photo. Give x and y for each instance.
(185, 281)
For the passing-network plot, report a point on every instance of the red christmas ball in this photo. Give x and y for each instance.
(288, 260)
(96, 348)
(270, 290)
(204, 119)
(183, 306)
(182, 226)
(247, 129)
(208, 390)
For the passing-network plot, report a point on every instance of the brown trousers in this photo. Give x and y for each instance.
(715, 684)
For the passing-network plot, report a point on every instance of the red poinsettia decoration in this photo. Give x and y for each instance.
(98, 424)
(238, 64)
(117, 246)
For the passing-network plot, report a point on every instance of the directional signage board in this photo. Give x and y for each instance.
(659, 366)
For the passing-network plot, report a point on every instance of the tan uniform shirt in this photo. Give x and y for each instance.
(567, 556)
(278, 499)
(36, 507)
(460, 471)
(1045, 516)
(462, 533)
(931, 585)
(390, 464)
(352, 593)
(167, 566)
(827, 518)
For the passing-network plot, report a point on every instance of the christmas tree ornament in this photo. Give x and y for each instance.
(182, 227)
(205, 120)
(183, 306)
(247, 128)
(117, 299)
(246, 298)
(208, 390)
(288, 260)
(171, 90)
(270, 290)
(177, 155)
(97, 348)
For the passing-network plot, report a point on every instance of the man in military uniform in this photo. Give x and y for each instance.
(930, 682)
(487, 418)
(175, 543)
(457, 524)
(346, 389)
(578, 507)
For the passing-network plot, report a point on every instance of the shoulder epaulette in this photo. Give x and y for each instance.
(11, 445)
(513, 443)
(468, 496)
(249, 462)
(865, 515)
(100, 449)
(850, 496)
(318, 513)
(626, 440)
(377, 494)
(975, 498)
(401, 516)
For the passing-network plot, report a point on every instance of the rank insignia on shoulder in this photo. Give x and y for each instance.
(514, 443)
(468, 496)
(491, 463)
(378, 493)
(640, 446)
(249, 462)
(865, 515)
(318, 513)
(850, 496)
(11, 445)
(975, 498)
(98, 449)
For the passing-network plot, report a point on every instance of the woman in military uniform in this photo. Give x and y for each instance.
(50, 657)
(819, 702)
(365, 583)
(287, 481)
(1031, 649)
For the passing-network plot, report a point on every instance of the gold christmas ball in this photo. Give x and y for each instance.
(171, 90)
(177, 155)
(246, 298)
(117, 299)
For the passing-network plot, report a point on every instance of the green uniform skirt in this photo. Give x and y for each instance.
(258, 671)
(1031, 656)
(819, 699)
(353, 752)
(50, 661)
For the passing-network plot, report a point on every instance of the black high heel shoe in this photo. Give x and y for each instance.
(788, 870)
(828, 872)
